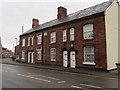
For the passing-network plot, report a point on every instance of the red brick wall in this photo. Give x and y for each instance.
(99, 42)
(33, 47)
(17, 50)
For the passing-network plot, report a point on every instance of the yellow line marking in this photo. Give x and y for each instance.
(34, 78)
(6, 71)
(10, 68)
(61, 81)
(94, 76)
(102, 77)
(43, 76)
(93, 86)
(73, 86)
(12, 71)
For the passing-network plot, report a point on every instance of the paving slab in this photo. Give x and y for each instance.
(111, 74)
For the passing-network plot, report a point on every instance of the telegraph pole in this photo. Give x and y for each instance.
(22, 29)
(16, 41)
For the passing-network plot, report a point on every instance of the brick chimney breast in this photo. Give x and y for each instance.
(62, 12)
(35, 23)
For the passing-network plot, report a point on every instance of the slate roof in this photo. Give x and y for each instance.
(77, 15)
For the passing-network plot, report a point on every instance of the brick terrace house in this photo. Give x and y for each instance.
(17, 50)
(6, 53)
(87, 38)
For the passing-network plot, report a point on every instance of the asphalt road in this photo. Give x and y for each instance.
(14, 76)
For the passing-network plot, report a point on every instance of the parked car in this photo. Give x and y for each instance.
(10, 57)
(23, 60)
(15, 58)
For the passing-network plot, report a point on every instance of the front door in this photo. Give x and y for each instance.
(72, 59)
(32, 57)
(65, 62)
(28, 57)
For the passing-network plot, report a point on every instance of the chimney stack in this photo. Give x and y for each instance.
(113, 0)
(62, 12)
(35, 23)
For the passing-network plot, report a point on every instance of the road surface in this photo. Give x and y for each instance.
(15, 76)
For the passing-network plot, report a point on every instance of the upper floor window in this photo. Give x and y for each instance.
(28, 41)
(64, 35)
(71, 34)
(88, 31)
(23, 42)
(52, 37)
(32, 40)
(39, 39)
(89, 54)
(53, 54)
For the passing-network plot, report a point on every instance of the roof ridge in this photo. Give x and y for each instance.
(76, 12)
(89, 7)
(75, 15)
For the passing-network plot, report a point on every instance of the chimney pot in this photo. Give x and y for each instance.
(35, 22)
(62, 12)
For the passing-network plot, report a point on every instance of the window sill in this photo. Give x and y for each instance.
(53, 43)
(23, 58)
(72, 41)
(64, 41)
(89, 63)
(53, 60)
(88, 39)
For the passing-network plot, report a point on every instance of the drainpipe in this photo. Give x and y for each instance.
(42, 47)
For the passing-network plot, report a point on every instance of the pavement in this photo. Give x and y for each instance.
(110, 74)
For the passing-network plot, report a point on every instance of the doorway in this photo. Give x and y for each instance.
(65, 59)
(72, 59)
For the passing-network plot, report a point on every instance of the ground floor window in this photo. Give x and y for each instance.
(89, 54)
(39, 54)
(23, 54)
(53, 54)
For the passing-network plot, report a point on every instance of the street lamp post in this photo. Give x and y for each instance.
(16, 41)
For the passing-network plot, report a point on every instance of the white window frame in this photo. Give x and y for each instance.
(72, 30)
(39, 39)
(64, 35)
(39, 54)
(32, 38)
(23, 42)
(53, 54)
(88, 32)
(23, 54)
(53, 37)
(28, 41)
(86, 53)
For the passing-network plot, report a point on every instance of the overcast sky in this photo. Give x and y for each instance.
(15, 13)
